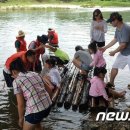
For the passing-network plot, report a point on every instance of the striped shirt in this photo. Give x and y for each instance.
(32, 87)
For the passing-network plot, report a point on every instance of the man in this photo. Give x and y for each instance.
(28, 58)
(20, 43)
(53, 37)
(36, 46)
(82, 59)
(122, 35)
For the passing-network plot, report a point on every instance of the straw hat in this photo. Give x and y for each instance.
(20, 33)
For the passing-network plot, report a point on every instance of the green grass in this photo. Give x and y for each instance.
(83, 3)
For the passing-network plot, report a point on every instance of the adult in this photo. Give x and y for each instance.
(61, 57)
(28, 58)
(82, 59)
(98, 28)
(36, 46)
(20, 43)
(33, 101)
(122, 35)
(53, 37)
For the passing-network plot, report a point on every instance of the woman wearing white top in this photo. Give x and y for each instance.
(98, 28)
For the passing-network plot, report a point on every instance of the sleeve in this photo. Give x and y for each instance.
(105, 26)
(17, 44)
(16, 87)
(32, 45)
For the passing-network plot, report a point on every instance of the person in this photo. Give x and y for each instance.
(53, 37)
(28, 58)
(98, 89)
(82, 59)
(122, 35)
(36, 46)
(53, 76)
(20, 43)
(98, 59)
(98, 28)
(61, 57)
(33, 101)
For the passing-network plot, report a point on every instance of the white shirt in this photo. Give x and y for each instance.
(98, 35)
(55, 76)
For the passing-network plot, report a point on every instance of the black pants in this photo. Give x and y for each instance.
(38, 66)
(8, 79)
(100, 44)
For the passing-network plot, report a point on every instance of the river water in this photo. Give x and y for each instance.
(73, 27)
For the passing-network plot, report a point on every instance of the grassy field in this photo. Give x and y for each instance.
(85, 3)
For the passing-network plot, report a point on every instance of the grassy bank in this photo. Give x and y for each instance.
(85, 3)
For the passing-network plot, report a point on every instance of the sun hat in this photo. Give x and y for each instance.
(20, 33)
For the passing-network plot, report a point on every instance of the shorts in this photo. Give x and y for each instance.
(121, 61)
(85, 67)
(100, 44)
(36, 118)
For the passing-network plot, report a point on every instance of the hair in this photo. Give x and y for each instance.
(98, 11)
(17, 65)
(51, 62)
(43, 39)
(78, 47)
(30, 53)
(99, 70)
(93, 47)
(116, 15)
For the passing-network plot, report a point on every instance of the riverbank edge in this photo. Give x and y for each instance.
(30, 6)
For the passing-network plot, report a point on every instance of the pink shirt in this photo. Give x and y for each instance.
(97, 88)
(98, 60)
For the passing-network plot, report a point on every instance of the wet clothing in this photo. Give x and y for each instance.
(97, 35)
(98, 88)
(31, 85)
(98, 59)
(20, 44)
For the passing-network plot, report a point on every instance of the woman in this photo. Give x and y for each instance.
(98, 28)
(34, 102)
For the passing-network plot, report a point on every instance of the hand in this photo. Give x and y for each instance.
(99, 28)
(112, 53)
(21, 120)
(103, 49)
(109, 99)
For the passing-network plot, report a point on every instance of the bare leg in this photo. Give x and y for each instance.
(27, 126)
(38, 127)
(114, 73)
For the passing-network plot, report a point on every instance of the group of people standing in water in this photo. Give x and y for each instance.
(33, 88)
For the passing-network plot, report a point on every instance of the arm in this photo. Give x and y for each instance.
(110, 44)
(121, 47)
(17, 46)
(95, 61)
(20, 101)
(50, 47)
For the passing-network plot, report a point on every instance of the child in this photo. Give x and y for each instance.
(53, 76)
(98, 87)
(33, 101)
(98, 59)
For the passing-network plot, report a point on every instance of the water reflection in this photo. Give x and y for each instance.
(73, 28)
